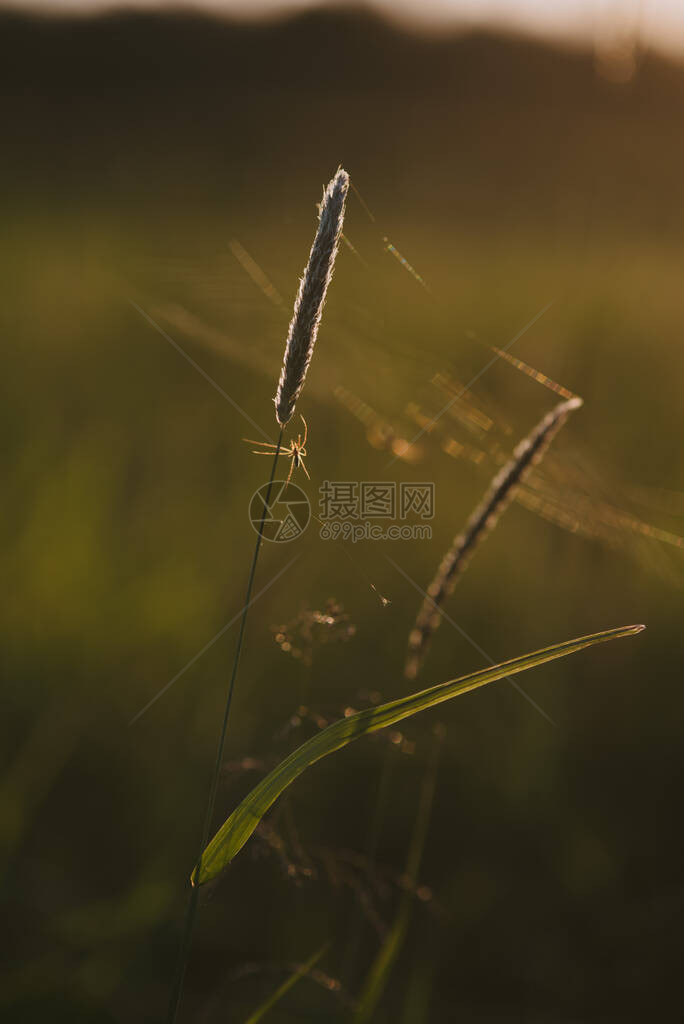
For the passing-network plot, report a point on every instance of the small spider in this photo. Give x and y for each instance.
(296, 450)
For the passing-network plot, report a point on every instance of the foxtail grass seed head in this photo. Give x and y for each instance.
(526, 455)
(310, 299)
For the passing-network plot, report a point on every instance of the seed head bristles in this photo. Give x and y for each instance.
(527, 454)
(311, 297)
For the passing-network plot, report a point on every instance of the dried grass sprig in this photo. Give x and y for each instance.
(311, 297)
(527, 454)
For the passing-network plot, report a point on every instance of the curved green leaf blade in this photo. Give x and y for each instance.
(235, 832)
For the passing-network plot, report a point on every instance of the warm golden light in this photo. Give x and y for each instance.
(613, 26)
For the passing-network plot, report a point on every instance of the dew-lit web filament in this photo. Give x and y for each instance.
(457, 449)
(404, 262)
(620, 519)
(547, 494)
(567, 507)
(551, 512)
(575, 512)
(464, 409)
(530, 371)
(357, 407)
(581, 513)
(461, 450)
(353, 250)
(252, 268)
(424, 420)
(380, 433)
(363, 202)
(262, 281)
(519, 364)
(658, 499)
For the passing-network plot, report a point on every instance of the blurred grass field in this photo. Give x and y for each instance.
(510, 176)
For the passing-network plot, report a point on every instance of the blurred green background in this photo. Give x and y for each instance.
(137, 151)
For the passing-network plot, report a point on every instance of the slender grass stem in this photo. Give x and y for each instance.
(191, 914)
(378, 976)
(379, 809)
(301, 971)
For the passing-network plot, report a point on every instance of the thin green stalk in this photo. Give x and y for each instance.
(379, 973)
(380, 806)
(289, 983)
(191, 914)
